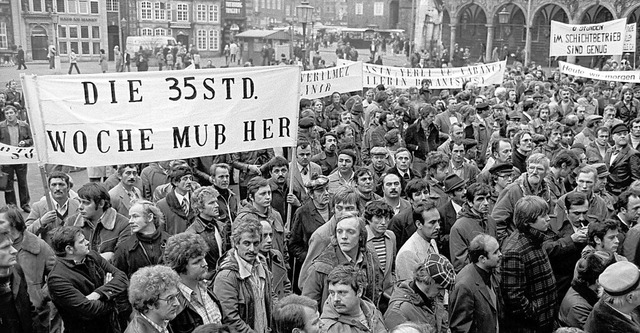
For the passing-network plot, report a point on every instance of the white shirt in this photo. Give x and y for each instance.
(457, 207)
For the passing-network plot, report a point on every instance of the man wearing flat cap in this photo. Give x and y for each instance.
(379, 164)
(600, 188)
(455, 188)
(588, 134)
(502, 174)
(623, 161)
(306, 131)
(620, 296)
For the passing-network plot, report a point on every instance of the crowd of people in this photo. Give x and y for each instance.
(508, 208)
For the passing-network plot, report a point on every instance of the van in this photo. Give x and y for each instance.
(148, 43)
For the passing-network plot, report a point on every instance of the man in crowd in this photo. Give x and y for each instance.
(423, 241)
(102, 226)
(623, 161)
(227, 199)
(303, 169)
(296, 313)
(402, 224)
(41, 220)
(280, 284)
(475, 302)
(391, 188)
(17, 133)
(363, 181)
(327, 159)
(378, 166)
(176, 206)
(563, 163)
(78, 284)
(598, 149)
(243, 283)
(278, 170)
(586, 180)
(17, 315)
(455, 187)
(523, 144)
(346, 310)
(377, 215)
(126, 191)
(528, 285)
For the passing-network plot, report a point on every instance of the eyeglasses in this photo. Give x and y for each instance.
(170, 298)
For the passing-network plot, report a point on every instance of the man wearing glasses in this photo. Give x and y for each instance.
(529, 183)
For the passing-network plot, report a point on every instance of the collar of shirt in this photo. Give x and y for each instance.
(181, 197)
(161, 329)
(61, 208)
(453, 166)
(456, 206)
(245, 269)
(358, 260)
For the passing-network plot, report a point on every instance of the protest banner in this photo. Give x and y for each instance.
(439, 78)
(322, 82)
(17, 155)
(94, 120)
(629, 38)
(618, 76)
(587, 39)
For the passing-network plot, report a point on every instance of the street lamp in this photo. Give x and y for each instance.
(304, 12)
(503, 19)
(123, 25)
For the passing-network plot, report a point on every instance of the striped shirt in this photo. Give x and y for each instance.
(381, 251)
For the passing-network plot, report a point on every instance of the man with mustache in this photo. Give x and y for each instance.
(391, 188)
(422, 243)
(278, 169)
(125, 192)
(346, 310)
(472, 221)
(529, 183)
(176, 206)
(327, 159)
(153, 293)
(41, 220)
(243, 283)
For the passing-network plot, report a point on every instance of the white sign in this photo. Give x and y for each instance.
(94, 120)
(618, 76)
(439, 78)
(323, 82)
(17, 155)
(629, 38)
(587, 39)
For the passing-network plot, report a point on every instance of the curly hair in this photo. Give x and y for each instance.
(148, 283)
(181, 248)
(198, 197)
(149, 207)
(249, 226)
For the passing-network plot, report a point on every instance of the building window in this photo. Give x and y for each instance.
(147, 32)
(73, 31)
(83, 7)
(378, 8)
(84, 31)
(62, 47)
(4, 41)
(85, 48)
(96, 48)
(95, 32)
(160, 32)
(94, 7)
(201, 13)
(182, 12)
(37, 6)
(145, 10)
(74, 47)
(113, 5)
(214, 13)
(202, 39)
(62, 31)
(72, 6)
(169, 14)
(160, 11)
(279, 4)
(268, 4)
(359, 8)
(60, 6)
(263, 4)
(214, 40)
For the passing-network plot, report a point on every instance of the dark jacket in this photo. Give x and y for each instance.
(407, 305)
(70, 283)
(471, 307)
(403, 226)
(334, 322)
(176, 221)
(528, 285)
(279, 280)
(236, 297)
(448, 218)
(24, 133)
(305, 222)
(188, 318)
(463, 231)
(25, 309)
(129, 256)
(110, 231)
(624, 169)
(208, 232)
(248, 212)
(418, 142)
(605, 319)
(576, 307)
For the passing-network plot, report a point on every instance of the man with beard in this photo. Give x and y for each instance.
(387, 122)
(623, 161)
(378, 166)
(627, 107)
(475, 302)
(500, 154)
(529, 183)
(523, 143)
(343, 175)
(566, 105)
(472, 221)
(303, 169)
(348, 247)
(102, 225)
(176, 206)
(364, 185)
(278, 169)
(346, 309)
(280, 284)
(598, 149)
(153, 293)
(422, 243)
(554, 135)
(609, 117)
(327, 159)
(391, 188)
(125, 192)
(41, 220)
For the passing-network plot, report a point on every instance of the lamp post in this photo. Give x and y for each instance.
(527, 46)
(304, 13)
(292, 22)
(123, 41)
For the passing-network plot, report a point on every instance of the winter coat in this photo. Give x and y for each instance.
(306, 220)
(217, 247)
(130, 257)
(176, 221)
(40, 208)
(334, 322)
(605, 319)
(23, 306)
(471, 306)
(249, 212)
(279, 281)
(188, 318)
(575, 308)
(111, 230)
(236, 297)
(407, 305)
(463, 231)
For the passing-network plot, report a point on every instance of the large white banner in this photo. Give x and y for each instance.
(323, 82)
(93, 120)
(618, 76)
(605, 38)
(439, 78)
(17, 155)
(630, 38)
